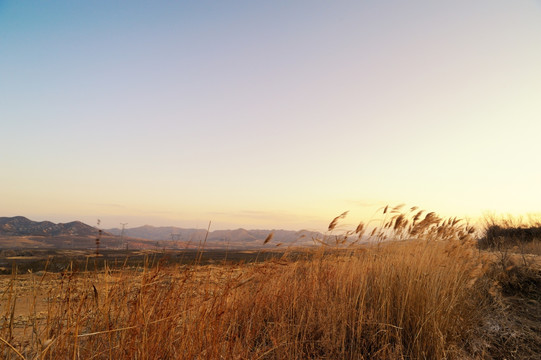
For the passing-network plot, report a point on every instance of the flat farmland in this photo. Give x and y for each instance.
(50, 260)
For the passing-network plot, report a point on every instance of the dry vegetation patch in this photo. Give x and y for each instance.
(416, 299)
(430, 295)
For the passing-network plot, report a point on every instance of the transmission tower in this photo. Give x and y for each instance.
(122, 234)
(98, 239)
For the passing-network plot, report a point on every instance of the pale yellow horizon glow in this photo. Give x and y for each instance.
(184, 114)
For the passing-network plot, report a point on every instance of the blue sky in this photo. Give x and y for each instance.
(267, 114)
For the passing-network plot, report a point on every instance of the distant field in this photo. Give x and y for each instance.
(36, 260)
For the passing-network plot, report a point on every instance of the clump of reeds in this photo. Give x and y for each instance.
(394, 224)
(412, 299)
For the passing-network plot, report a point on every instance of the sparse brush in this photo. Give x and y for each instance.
(514, 234)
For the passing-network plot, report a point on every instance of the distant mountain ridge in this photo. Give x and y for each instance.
(22, 226)
(150, 232)
(19, 231)
(219, 238)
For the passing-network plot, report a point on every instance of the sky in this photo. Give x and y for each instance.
(268, 114)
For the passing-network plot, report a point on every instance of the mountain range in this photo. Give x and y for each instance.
(19, 231)
(219, 238)
(19, 225)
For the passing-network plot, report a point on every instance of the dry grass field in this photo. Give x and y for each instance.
(422, 290)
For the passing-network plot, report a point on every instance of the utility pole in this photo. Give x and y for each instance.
(122, 234)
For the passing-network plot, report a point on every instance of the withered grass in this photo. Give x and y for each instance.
(417, 291)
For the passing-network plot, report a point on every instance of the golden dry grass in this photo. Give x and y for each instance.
(427, 297)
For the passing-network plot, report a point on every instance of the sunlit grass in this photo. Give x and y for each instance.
(425, 295)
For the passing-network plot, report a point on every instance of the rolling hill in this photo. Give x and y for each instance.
(22, 226)
(238, 238)
(21, 232)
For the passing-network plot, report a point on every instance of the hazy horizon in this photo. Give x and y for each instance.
(263, 115)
